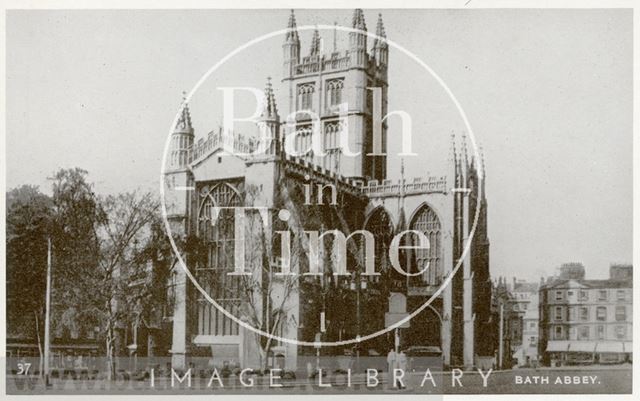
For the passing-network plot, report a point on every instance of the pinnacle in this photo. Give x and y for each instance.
(292, 34)
(184, 121)
(315, 43)
(358, 20)
(270, 107)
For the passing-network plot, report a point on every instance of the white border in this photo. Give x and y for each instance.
(245, 4)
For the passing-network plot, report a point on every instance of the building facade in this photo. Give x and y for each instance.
(308, 192)
(525, 305)
(586, 321)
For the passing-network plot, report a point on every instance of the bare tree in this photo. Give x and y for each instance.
(266, 296)
(122, 262)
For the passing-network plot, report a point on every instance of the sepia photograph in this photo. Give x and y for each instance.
(315, 198)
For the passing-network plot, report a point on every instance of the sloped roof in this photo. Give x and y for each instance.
(606, 283)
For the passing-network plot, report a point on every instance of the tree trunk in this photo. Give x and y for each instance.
(111, 368)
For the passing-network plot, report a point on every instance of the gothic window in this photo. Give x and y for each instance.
(334, 92)
(380, 225)
(216, 229)
(331, 145)
(302, 143)
(305, 96)
(427, 222)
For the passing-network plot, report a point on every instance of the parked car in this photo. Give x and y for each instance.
(423, 357)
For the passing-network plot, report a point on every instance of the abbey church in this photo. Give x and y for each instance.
(286, 196)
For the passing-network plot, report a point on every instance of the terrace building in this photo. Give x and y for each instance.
(586, 321)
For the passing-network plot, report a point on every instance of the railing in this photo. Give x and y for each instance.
(240, 143)
(317, 64)
(237, 142)
(418, 185)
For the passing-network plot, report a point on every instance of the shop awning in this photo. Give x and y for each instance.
(557, 346)
(610, 346)
(582, 346)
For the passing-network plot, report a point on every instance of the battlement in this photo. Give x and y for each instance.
(418, 185)
(335, 62)
(373, 188)
(322, 63)
(239, 142)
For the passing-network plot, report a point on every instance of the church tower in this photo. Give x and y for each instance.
(319, 83)
(178, 182)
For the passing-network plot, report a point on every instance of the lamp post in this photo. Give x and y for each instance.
(501, 335)
(357, 284)
(47, 315)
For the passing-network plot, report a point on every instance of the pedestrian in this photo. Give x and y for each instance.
(391, 365)
(402, 365)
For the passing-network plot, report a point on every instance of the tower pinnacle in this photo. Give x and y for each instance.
(270, 109)
(292, 34)
(315, 43)
(291, 47)
(380, 33)
(184, 121)
(357, 21)
(380, 47)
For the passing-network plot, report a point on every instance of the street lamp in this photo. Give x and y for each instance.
(357, 283)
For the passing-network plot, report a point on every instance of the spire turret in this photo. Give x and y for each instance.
(357, 21)
(380, 47)
(315, 43)
(291, 47)
(358, 40)
(182, 137)
(292, 34)
(269, 122)
(183, 125)
(270, 109)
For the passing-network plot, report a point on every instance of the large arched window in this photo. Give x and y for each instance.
(380, 225)
(217, 229)
(427, 222)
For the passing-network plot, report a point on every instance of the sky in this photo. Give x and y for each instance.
(548, 94)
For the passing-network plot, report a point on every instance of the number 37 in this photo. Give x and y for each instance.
(23, 368)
